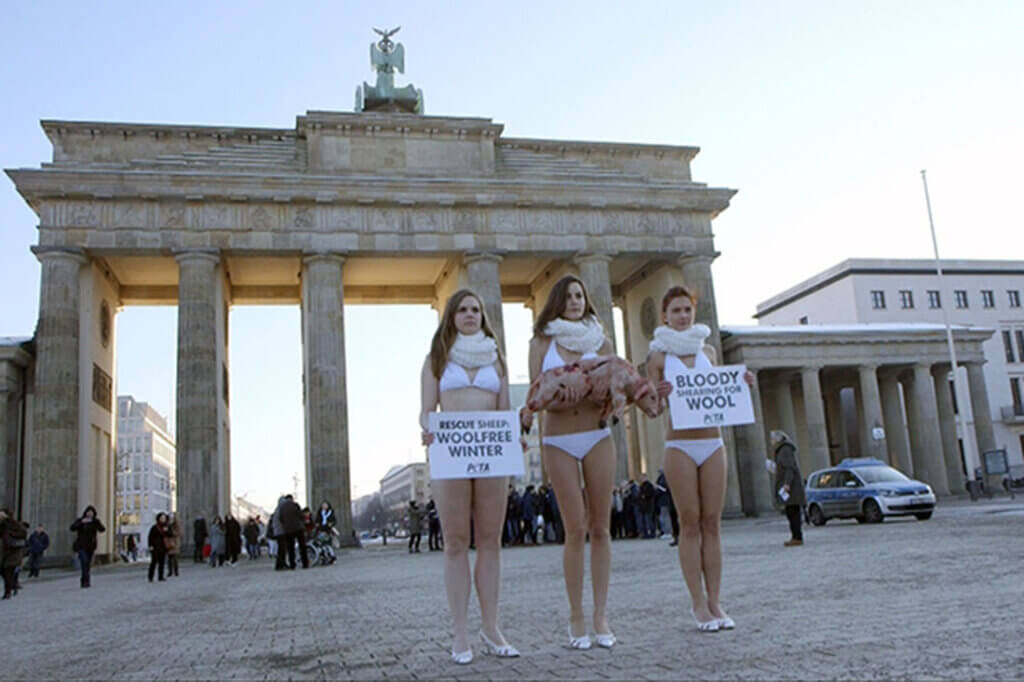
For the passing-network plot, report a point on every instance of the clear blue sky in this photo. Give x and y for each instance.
(820, 114)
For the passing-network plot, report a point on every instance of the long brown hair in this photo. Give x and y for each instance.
(556, 303)
(446, 332)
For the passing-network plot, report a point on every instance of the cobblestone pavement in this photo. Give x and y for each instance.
(905, 599)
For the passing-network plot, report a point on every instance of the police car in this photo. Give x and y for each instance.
(868, 490)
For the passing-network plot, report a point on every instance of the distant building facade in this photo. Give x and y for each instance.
(403, 483)
(146, 477)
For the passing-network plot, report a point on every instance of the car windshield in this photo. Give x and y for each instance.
(880, 475)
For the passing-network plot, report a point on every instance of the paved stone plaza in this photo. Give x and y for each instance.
(907, 599)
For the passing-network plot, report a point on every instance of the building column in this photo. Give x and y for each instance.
(947, 428)
(980, 407)
(925, 436)
(783, 393)
(482, 277)
(323, 327)
(54, 484)
(814, 408)
(895, 424)
(594, 273)
(751, 451)
(197, 423)
(871, 405)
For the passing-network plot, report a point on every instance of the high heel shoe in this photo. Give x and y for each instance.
(501, 651)
(462, 657)
(582, 642)
(706, 626)
(605, 641)
(726, 623)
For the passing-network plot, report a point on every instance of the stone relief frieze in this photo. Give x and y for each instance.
(466, 220)
(345, 219)
(541, 222)
(582, 222)
(261, 218)
(172, 215)
(129, 214)
(384, 220)
(505, 220)
(428, 220)
(82, 214)
(216, 215)
(302, 217)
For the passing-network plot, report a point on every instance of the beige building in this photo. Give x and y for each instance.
(403, 483)
(980, 293)
(145, 481)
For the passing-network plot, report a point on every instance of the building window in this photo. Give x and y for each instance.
(878, 300)
(1020, 344)
(988, 299)
(934, 299)
(1014, 298)
(1015, 393)
(803, 320)
(906, 299)
(961, 298)
(1008, 346)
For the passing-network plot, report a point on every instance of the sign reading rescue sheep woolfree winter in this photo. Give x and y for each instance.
(717, 396)
(475, 445)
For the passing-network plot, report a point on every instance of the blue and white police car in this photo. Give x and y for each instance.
(868, 490)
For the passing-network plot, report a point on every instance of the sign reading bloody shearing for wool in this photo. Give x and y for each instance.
(717, 396)
(475, 445)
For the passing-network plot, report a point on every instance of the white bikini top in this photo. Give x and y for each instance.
(678, 366)
(552, 359)
(456, 376)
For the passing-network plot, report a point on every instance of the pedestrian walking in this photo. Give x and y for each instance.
(528, 515)
(695, 461)
(673, 515)
(157, 543)
(434, 541)
(13, 542)
(511, 536)
(415, 526)
(132, 547)
(575, 446)
(86, 528)
(617, 529)
(218, 544)
(465, 371)
(647, 506)
(252, 539)
(173, 542)
(789, 484)
(294, 531)
(38, 543)
(199, 535)
(232, 538)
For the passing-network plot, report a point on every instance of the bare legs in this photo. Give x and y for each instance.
(484, 498)
(582, 513)
(699, 494)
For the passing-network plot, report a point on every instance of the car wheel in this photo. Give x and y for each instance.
(817, 518)
(923, 516)
(861, 518)
(872, 512)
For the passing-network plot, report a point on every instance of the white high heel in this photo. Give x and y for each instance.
(726, 623)
(462, 657)
(582, 642)
(506, 651)
(706, 626)
(605, 641)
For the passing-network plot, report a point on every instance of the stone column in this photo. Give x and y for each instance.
(54, 484)
(814, 408)
(895, 425)
(323, 319)
(197, 425)
(947, 428)
(980, 407)
(871, 402)
(751, 451)
(783, 393)
(925, 437)
(594, 273)
(482, 277)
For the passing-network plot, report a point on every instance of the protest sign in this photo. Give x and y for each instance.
(717, 396)
(475, 445)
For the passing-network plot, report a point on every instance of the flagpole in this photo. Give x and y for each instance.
(970, 453)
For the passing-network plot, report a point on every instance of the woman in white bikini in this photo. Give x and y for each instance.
(695, 463)
(466, 373)
(568, 330)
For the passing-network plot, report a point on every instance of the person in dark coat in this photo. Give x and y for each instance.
(173, 542)
(512, 517)
(647, 506)
(415, 526)
(292, 524)
(673, 515)
(38, 543)
(233, 537)
(252, 539)
(13, 541)
(86, 528)
(157, 543)
(434, 540)
(199, 534)
(789, 484)
(528, 514)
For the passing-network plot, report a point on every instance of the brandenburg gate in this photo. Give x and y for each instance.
(383, 205)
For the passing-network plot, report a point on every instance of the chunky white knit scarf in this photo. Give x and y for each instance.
(475, 350)
(690, 341)
(585, 336)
